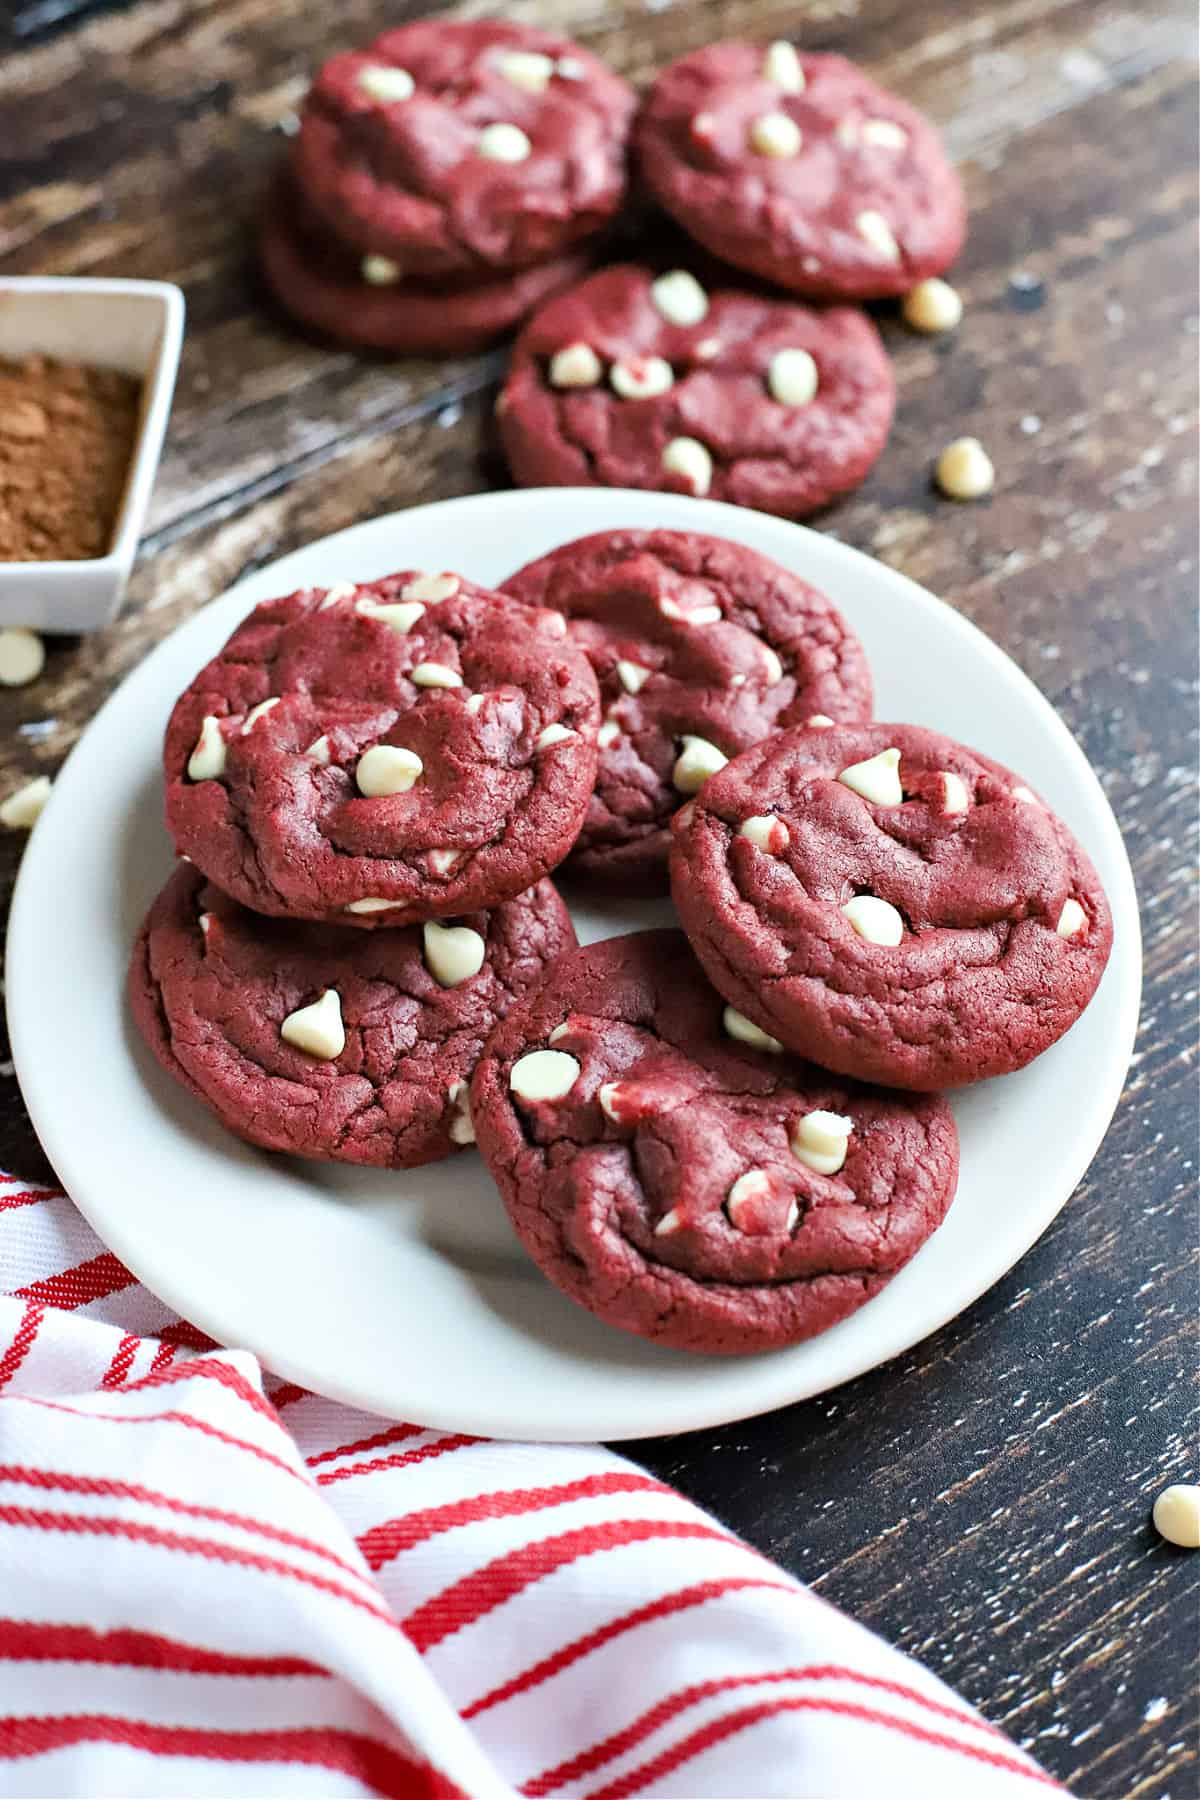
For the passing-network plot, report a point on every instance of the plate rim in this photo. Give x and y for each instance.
(71, 1163)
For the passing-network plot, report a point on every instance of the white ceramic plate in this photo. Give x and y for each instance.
(407, 1293)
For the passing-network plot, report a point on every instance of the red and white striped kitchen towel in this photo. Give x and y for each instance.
(215, 1584)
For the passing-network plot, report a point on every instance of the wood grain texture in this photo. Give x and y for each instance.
(984, 1500)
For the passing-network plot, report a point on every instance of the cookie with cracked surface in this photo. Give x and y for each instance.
(465, 147)
(903, 908)
(325, 1043)
(801, 169)
(363, 301)
(681, 1182)
(695, 641)
(633, 379)
(385, 753)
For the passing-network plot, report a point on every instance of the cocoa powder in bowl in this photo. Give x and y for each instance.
(67, 435)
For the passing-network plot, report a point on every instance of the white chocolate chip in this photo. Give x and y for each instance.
(401, 616)
(1071, 919)
(207, 760)
(318, 752)
(380, 271)
(782, 67)
(679, 298)
(23, 809)
(575, 366)
(476, 702)
(877, 779)
(318, 1028)
(608, 734)
(1026, 796)
(643, 378)
(553, 624)
(818, 721)
(256, 713)
(370, 904)
(819, 1141)
(570, 68)
(703, 126)
(527, 69)
(431, 588)
(875, 232)
(792, 377)
(554, 734)
(738, 1026)
(707, 350)
(386, 84)
(632, 676)
(766, 832)
(687, 458)
(884, 133)
(755, 1184)
(386, 769)
(696, 615)
(543, 1075)
(204, 921)
(1176, 1515)
(955, 798)
(875, 920)
(341, 590)
(453, 953)
(774, 134)
(22, 656)
(772, 664)
(695, 763)
(931, 306)
(461, 1129)
(609, 1101)
(434, 675)
(442, 861)
(670, 1221)
(560, 1031)
(964, 470)
(503, 143)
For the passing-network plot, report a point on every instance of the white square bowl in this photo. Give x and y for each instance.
(134, 326)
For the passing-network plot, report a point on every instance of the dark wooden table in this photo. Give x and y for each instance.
(984, 1500)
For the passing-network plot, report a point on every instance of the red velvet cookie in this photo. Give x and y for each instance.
(700, 646)
(633, 380)
(381, 754)
(328, 1043)
(684, 1184)
(802, 170)
(900, 908)
(463, 148)
(321, 282)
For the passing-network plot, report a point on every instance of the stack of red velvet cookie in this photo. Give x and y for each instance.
(442, 181)
(360, 957)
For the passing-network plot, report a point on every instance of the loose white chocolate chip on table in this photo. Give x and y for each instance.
(431, 588)
(554, 734)
(772, 664)
(931, 306)
(386, 84)
(642, 379)
(755, 1184)
(819, 1141)
(318, 752)
(955, 798)
(696, 615)
(380, 271)
(23, 809)
(575, 366)
(670, 1221)
(818, 721)
(875, 231)
(877, 779)
(1176, 1515)
(207, 760)
(503, 143)
(256, 713)
(738, 1026)
(402, 615)
(442, 861)
(386, 769)
(527, 69)
(461, 1129)
(22, 656)
(608, 734)
(453, 953)
(695, 763)
(687, 458)
(434, 675)
(560, 1031)
(883, 132)
(369, 904)
(318, 1028)
(792, 377)
(632, 676)
(774, 134)
(543, 1075)
(341, 590)
(765, 832)
(875, 920)
(679, 298)
(204, 921)
(783, 68)
(1071, 919)
(964, 470)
